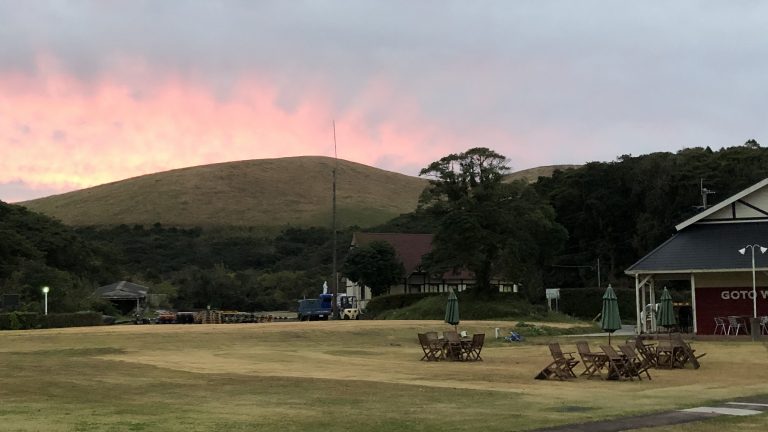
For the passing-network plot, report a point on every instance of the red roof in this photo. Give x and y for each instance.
(408, 247)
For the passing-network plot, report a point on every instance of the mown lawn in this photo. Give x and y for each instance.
(329, 376)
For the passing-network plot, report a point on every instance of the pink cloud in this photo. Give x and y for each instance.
(60, 132)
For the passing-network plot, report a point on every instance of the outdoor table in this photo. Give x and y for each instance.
(665, 355)
(669, 355)
(600, 362)
(465, 342)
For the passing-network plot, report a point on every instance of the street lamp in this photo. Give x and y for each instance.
(754, 286)
(45, 293)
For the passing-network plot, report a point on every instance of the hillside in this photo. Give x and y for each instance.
(531, 175)
(292, 191)
(266, 192)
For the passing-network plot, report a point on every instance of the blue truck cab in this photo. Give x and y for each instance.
(315, 309)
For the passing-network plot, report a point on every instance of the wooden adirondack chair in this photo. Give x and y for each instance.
(433, 351)
(618, 366)
(684, 353)
(647, 352)
(593, 362)
(638, 364)
(472, 350)
(562, 364)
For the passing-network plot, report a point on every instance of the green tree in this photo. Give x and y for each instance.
(485, 225)
(375, 266)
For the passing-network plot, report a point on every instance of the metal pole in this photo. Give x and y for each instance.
(334, 306)
(693, 301)
(598, 272)
(46, 302)
(754, 286)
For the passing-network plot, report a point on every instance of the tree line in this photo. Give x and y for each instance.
(547, 234)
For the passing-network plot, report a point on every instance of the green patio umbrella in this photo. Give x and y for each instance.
(452, 310)
(609, 318)
(666, 317)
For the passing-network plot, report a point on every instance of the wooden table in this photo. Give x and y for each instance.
(669, 355)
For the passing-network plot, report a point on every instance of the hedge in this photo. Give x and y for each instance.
(383, 303)
(33, 320)
(586, 303)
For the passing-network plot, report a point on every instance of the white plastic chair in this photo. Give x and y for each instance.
(719, 325)
(734, 323)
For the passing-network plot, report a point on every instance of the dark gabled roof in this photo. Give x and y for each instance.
(122, 291)
(722, 204)
(410, 248)
(707, 247)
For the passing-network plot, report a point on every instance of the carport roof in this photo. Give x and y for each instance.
(122, 290)
(707, 247)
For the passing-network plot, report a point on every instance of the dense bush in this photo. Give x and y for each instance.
(588, 302)
(32, 320)
(377, 305)
(470, 308)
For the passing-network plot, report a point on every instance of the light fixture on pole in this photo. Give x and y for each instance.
(743, 251)
(45, 293)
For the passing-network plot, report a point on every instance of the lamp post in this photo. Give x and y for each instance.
(754, 285)
(45, 294)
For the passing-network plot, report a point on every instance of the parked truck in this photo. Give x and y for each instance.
(319, 308)
(348, 308)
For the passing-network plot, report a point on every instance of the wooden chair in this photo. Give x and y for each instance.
(564, 358)
(593, 362)
(561, 366)
(684, 353)
(647, 351)
(472, 351)
(453, 348)
(720, 326)
(638, 365)
(734, 324)
(618, 366)
(433, 351)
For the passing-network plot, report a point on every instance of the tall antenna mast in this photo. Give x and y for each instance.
(704, 193)
(333, 223)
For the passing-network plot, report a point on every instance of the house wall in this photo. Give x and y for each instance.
(419, 283)
(727, 294)
(758, 199)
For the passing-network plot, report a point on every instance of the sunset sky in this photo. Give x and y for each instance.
(98, 91)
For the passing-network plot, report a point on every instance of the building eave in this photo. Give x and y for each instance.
(720, 205)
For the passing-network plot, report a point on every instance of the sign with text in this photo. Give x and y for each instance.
(743, 294)
(724, 302)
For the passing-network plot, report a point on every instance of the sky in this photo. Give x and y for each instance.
(98, 91)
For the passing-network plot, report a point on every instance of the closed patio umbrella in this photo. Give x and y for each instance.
(609, 318)
(452, 310)
(666, 316)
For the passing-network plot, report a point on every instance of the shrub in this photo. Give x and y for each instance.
(379, 304)
(470, 308)
(586, 303)
(77, 319)
(32, 320)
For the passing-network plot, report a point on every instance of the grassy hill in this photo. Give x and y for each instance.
(294, 191)
(531, 175)
(266, 193)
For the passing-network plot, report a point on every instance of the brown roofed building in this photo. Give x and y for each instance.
(410, 249)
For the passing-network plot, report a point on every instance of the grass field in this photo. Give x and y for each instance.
(329, 376)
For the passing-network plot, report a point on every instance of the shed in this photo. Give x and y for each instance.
(124, 294)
